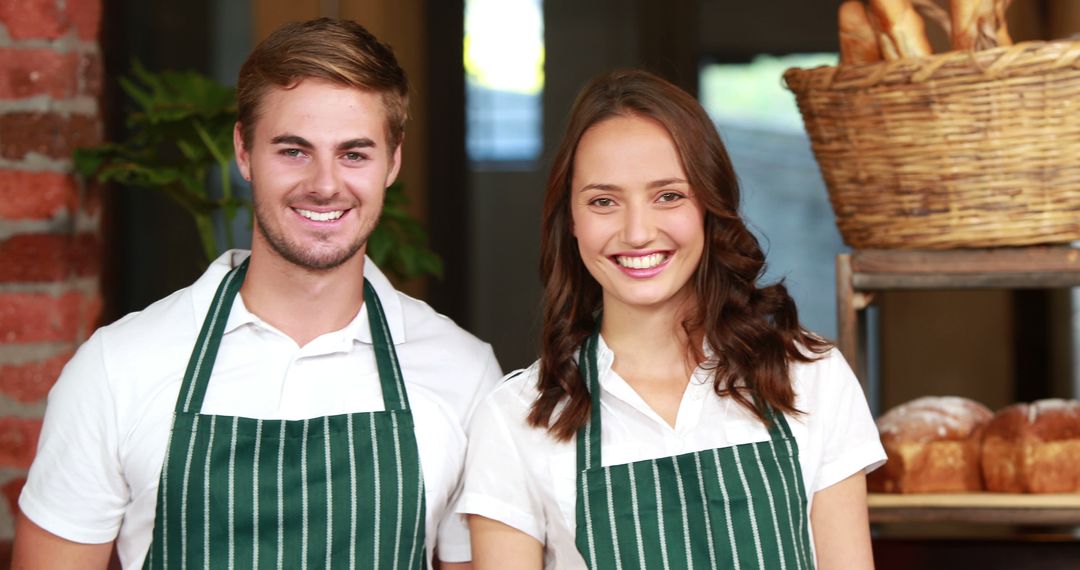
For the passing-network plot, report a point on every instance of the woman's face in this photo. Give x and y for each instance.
(639, 228)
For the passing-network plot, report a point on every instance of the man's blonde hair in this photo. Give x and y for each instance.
(338, 51)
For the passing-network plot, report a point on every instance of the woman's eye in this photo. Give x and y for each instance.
(602, 202)
(670, 197)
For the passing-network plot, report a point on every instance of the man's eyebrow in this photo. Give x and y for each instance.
(356, 143)
(293, 140)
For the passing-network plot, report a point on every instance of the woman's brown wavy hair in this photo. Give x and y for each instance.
(753, 330)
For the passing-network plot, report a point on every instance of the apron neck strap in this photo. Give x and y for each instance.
(588, 437)
(203, 356)
(201, 363)
(393, 385)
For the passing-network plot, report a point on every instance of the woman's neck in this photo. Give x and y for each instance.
(653, 353)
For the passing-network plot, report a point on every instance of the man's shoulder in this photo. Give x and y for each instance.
(424, 324)
(175, 314)
(147, 336)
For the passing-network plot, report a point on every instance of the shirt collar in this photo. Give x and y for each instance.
(203, 290)
(391, 305)
(605, 359)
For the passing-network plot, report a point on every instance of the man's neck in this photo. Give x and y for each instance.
(302, 303)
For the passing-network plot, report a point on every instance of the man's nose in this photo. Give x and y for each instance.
(324, 176)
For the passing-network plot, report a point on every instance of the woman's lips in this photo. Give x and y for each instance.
(642, 266)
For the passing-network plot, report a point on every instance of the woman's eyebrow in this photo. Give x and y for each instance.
(600, 186)
(665, 182)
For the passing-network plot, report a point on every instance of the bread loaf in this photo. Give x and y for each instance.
(858, 44)
(932, 445)
(1033, 448)
(979, 24)
(900, 29)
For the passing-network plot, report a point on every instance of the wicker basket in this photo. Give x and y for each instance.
(961, 149)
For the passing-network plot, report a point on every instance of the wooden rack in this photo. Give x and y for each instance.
(862, 273)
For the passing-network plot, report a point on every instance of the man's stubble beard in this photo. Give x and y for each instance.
(297, 255)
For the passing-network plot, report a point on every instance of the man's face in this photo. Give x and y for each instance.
(319, 164)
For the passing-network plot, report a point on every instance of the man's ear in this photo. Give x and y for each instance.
(243, 158)
(395, 166)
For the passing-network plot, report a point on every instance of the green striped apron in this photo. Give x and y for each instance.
(342, 491)
(736, 507)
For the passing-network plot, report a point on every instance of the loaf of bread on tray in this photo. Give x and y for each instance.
(1033, 448)
(932, 445)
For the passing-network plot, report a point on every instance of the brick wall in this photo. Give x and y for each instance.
(50, 83)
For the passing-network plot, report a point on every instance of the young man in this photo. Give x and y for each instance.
(290, 408)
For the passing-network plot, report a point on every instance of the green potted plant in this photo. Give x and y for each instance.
(180, 131)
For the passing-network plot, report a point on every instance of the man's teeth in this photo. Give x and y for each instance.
(320, 216)
(641, 261)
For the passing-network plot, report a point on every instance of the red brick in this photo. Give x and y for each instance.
(18, 441)
(36, 195)
(90, 199)
(30, 382)
(89, 318)
(26, 19)
(43, 258)
(50, 134)
(11, 490)
(85, 15)
(30, 72)
(92, 74)
(39, 317)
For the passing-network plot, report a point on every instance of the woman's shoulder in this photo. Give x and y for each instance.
(516, 392)
(823, 382)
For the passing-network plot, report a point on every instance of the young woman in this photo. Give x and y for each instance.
(679, 416)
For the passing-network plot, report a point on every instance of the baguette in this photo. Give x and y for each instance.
(858, 43)
(979, 24)
(900, 29)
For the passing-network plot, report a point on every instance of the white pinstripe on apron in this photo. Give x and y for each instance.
(342, 491)
(735, 507)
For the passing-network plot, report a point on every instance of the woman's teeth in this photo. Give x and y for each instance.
(641, 261)
(320, 216)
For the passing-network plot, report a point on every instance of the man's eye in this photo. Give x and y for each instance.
(292, 152)
(353, 156)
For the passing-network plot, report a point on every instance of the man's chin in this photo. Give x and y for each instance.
(319, 259)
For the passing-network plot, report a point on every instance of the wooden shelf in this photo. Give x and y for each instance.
(978, 508)
(863, 272)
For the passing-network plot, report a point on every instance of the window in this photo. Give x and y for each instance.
(783, 196)
(504, 66)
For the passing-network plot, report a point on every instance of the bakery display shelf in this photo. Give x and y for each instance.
(863, 272)
(980, 508)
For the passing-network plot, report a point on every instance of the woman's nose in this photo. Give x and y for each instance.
(638, 226)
